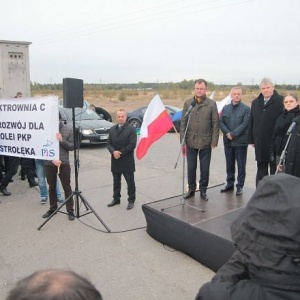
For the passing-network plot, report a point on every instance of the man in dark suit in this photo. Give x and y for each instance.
(121, 144)
(233, 123)
(265, 109)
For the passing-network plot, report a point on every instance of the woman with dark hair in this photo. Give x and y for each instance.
(292, 162)
(282, 124)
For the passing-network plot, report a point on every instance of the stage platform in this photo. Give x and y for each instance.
(198, 228)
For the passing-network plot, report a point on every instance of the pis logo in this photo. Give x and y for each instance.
(48, 152)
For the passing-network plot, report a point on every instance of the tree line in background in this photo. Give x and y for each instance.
(185, 85)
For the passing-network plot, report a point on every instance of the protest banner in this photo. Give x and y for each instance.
(28, 127)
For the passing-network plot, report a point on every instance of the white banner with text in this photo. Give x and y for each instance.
(28, 127)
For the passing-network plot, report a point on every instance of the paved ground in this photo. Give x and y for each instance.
(124, 264)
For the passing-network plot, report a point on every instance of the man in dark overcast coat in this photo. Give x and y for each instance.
(265, 109)
(121, 144)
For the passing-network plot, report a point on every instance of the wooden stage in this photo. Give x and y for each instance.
(198, 228)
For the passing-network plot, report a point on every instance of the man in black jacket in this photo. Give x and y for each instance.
(265, 109)
(121, 144)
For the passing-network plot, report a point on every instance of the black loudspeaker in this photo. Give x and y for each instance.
(73, 92)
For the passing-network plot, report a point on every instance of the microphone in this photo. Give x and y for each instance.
(294, 123)
(190, 108)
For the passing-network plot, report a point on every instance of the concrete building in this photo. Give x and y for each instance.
(14, 68)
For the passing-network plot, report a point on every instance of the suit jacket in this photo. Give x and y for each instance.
(234, 120)
(123, 140)
(262, 122)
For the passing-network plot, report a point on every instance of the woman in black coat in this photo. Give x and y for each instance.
(282, 124)
(292, 163)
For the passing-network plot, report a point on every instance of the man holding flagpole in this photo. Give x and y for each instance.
(201, 134)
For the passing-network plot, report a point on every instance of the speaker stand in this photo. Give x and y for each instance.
(76, 192)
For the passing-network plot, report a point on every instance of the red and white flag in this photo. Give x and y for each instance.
(156, 123)
(222, 103)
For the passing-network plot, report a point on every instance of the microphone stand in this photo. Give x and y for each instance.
(283, 154)
(183, 146)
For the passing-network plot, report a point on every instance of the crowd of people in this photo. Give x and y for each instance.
(271, 125)
(121, 145)
(264, 126)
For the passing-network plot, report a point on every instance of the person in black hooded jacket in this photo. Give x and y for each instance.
(266, 263)
(282, 124)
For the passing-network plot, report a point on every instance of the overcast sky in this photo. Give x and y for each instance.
(128, 41)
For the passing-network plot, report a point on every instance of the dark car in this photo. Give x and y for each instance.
(89, 125)
(99, 110)
(135, 117)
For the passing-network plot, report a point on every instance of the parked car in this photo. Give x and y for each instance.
(90, 126)
(135, 117)
(99, 110)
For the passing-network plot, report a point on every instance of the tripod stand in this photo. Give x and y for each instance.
(182, 147)
(76, 192)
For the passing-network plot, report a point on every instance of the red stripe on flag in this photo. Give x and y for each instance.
(160, 126)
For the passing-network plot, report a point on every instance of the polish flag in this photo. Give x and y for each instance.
(222, 103)
(156, 123)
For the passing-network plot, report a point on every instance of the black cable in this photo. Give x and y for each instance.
(121, 231)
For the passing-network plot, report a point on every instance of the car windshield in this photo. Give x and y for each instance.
(85, 103)
(82, 114)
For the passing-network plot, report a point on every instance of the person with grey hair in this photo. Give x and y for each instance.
(265, 109)
(233, 123)
(54, 284)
